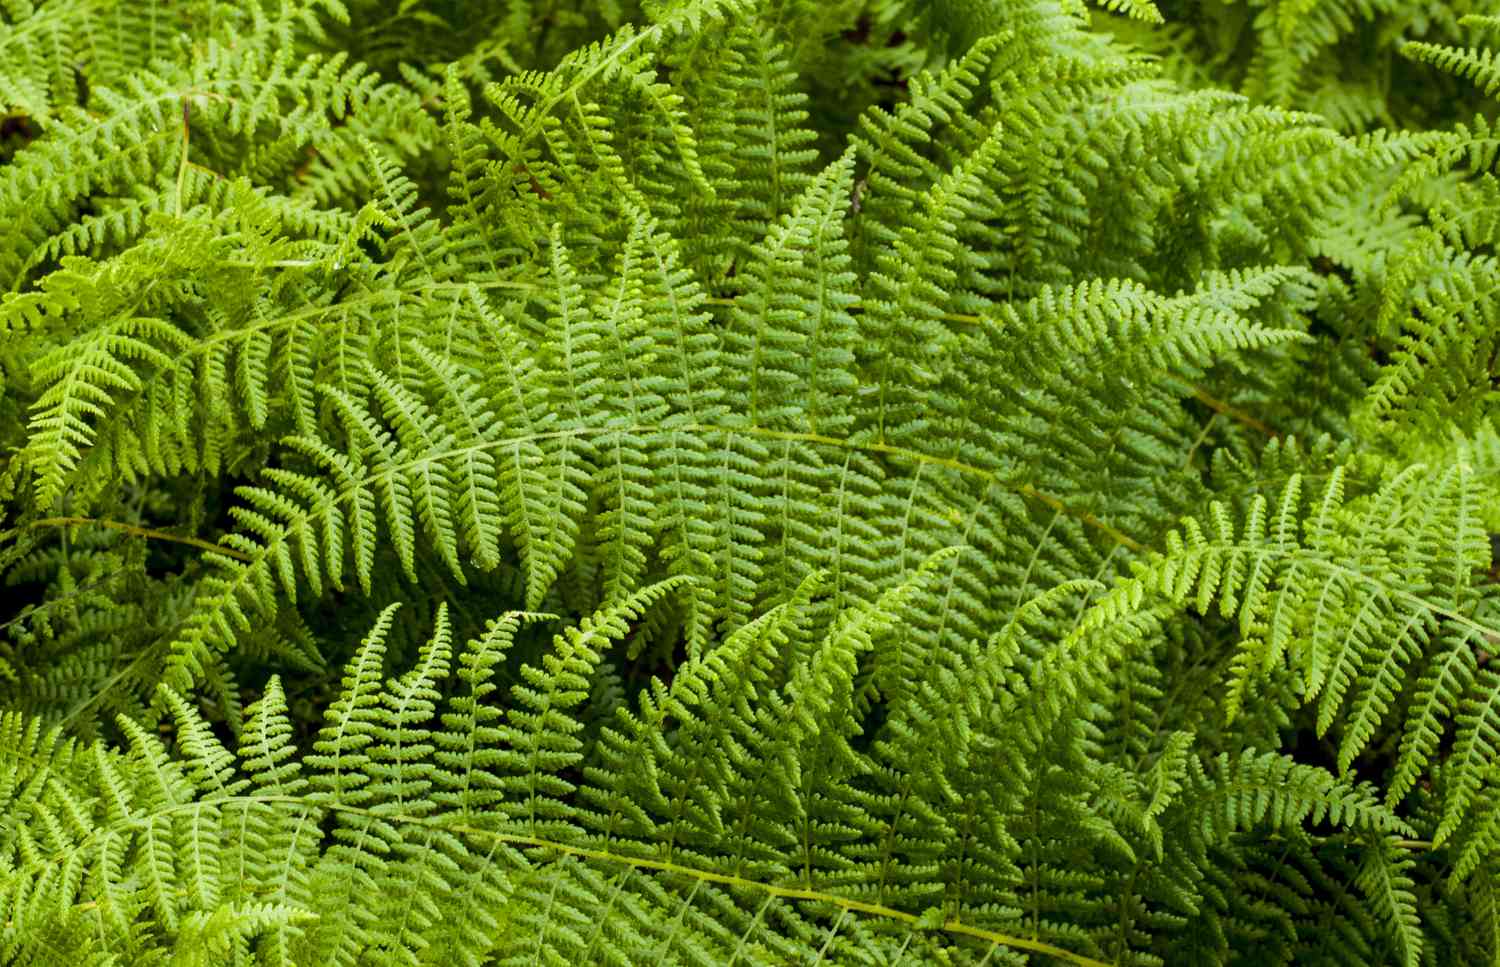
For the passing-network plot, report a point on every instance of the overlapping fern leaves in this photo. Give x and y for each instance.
(431, 827)
(928, 587)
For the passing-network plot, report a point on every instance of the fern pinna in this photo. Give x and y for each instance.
(745, 481)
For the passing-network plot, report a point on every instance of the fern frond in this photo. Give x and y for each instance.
(1471, 63)
(953, 487)
(1350, 597)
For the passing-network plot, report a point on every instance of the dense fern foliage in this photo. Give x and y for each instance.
(749, 481)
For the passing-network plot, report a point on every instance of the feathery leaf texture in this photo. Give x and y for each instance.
(748, 481)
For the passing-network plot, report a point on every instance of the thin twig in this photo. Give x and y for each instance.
(1239, 416)
(182, 165)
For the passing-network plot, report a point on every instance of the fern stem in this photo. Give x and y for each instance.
(1058, 505)
(134, 530)
(1414, 844)
(1239, 416)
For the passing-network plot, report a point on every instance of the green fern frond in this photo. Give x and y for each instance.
(784, 482)
(1353, 598)
(1471, 63)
